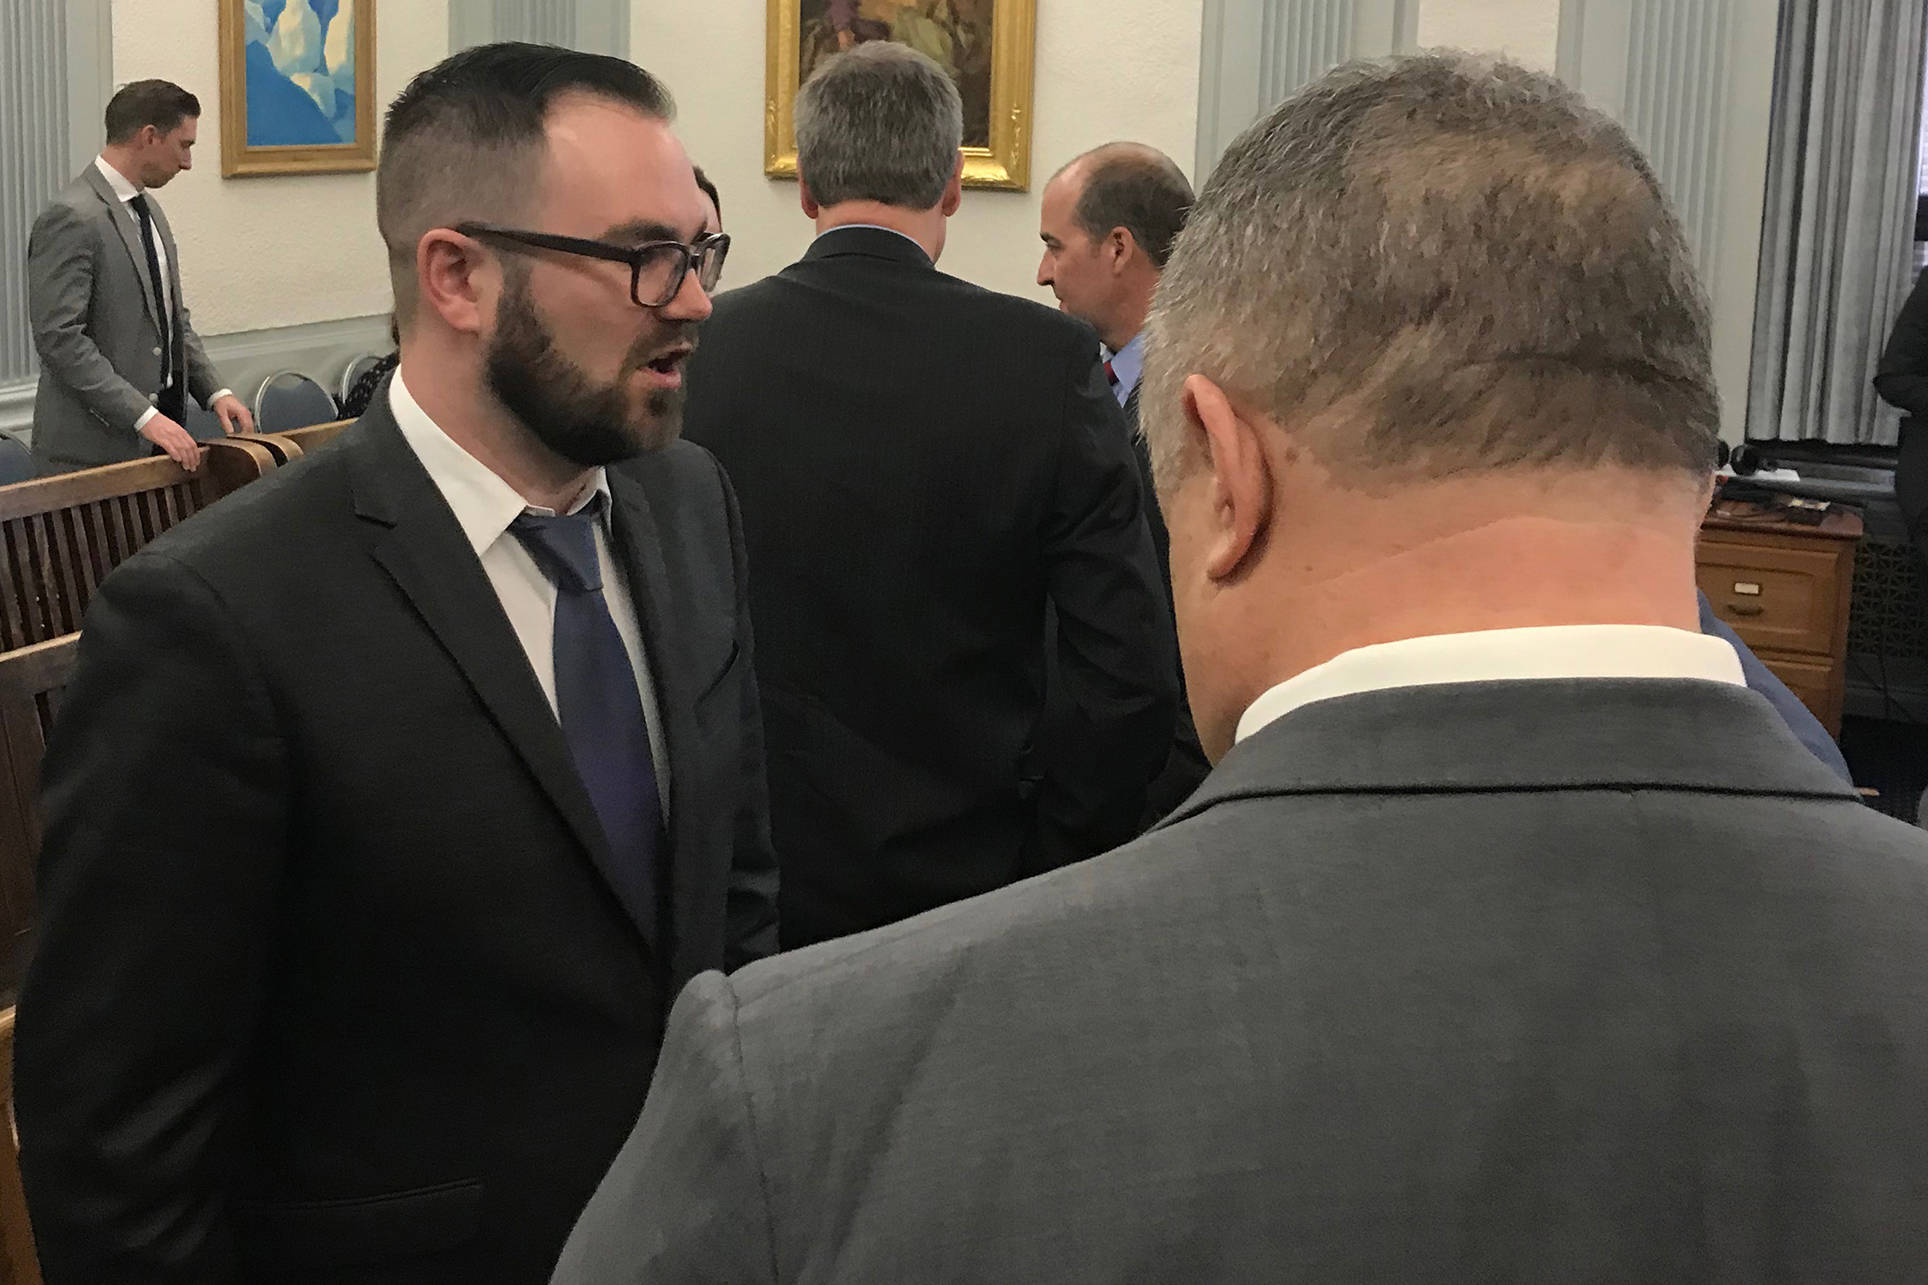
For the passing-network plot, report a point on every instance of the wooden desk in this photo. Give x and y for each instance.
(1784, 587)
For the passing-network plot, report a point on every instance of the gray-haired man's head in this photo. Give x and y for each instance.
(1437, 266)
(879, 123)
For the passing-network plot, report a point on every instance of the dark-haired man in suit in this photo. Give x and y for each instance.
(118, 356)
(1108, 221)
(923, 464)
(396, 796)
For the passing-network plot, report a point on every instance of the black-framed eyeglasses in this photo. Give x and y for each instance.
(656, 268)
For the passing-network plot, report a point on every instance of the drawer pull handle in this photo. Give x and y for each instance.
(1746, 608)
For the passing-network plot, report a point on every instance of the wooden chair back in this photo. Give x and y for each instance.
(292, 443)
(31, 679)
(61, 535)
(19, 1263)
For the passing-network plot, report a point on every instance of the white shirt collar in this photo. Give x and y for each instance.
(484, 504)
(872, 227)
(1495, 655)
(123, 188)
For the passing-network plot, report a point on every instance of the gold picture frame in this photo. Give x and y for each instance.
(263, 66)
(1004, 159)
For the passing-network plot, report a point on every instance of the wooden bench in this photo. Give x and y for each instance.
(61, 535)
(291, 444)
(31, 679)
(19, 1264)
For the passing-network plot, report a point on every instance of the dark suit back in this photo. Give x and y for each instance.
(329, 967)
(920, 463)
(1534, 981)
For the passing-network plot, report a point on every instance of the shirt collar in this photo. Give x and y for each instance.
(123, 188)
(874, 227)
(1128, 364)
(1497, 655)
(484, 505)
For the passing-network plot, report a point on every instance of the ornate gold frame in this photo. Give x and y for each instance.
(1006, 163)
(238, 160)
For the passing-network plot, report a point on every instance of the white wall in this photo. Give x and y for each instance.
(1527, 31)
(281, 251)
(1106, 69)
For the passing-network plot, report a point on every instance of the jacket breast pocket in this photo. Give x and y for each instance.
(360, 1230)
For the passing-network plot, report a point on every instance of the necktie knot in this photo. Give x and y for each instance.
(564, 546)
(1111, 376)
(139, 205)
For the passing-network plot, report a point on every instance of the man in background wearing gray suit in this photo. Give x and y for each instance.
(118, 355)
(1511, 938)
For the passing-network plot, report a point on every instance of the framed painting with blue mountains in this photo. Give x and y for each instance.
(297, 86)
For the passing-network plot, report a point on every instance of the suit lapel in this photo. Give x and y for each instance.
(639, 545)
(129, 229)
(424, 552)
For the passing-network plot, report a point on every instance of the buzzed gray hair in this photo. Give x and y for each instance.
(879, 123)
(1438, 265)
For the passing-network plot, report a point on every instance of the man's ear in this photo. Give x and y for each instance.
(1119, 246)
(810, 207)
(1238, 473)
(954, 190)
(456, 280)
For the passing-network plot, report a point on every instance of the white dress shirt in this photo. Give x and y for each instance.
(126, 191)
(484, 505)
(1497, 655)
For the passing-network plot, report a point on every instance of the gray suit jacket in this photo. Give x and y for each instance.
(1576, 981)
(96, 327)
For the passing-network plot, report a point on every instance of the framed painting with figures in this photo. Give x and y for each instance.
(986, 46)
(297, 86)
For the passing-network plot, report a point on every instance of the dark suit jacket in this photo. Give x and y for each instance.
(1535, 981)
(1902, 381)
(96, 327)
(1186, 765)
(921, 464)
(330, 985)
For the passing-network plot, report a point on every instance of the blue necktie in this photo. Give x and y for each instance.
(597, 700)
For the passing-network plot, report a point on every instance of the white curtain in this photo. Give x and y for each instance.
(1837, 239)
(36, 142)
(595, 26)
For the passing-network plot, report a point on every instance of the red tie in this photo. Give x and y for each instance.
(1111, 376)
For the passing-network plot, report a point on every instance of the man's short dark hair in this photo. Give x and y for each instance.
(708, 189)
(1137, 188)
(465, 140)
(138, 104)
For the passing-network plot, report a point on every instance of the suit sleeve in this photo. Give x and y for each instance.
(1116, 668)
(686, 1201)
(165, 788)
(751, 914)
(1902, 376)
(60, 287)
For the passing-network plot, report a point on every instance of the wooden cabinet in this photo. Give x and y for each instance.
(1784, 588)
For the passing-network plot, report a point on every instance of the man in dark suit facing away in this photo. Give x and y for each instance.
(1108, 221)
(922, 465)
(119, 357)
(397, 795)
(1512, 937)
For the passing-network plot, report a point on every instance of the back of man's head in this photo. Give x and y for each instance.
(1134, 187)
(466, 142)
(140, 103)
(1439, 266)
(881, 123)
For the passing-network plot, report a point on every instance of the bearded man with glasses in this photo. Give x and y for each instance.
(396, 798)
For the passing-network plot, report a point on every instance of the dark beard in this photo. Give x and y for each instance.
(552, 396)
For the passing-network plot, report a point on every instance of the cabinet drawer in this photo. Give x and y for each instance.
(1816, 682)
(1784, 599)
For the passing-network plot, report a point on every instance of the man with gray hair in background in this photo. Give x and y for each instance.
(1511, 939)
(922, 464)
